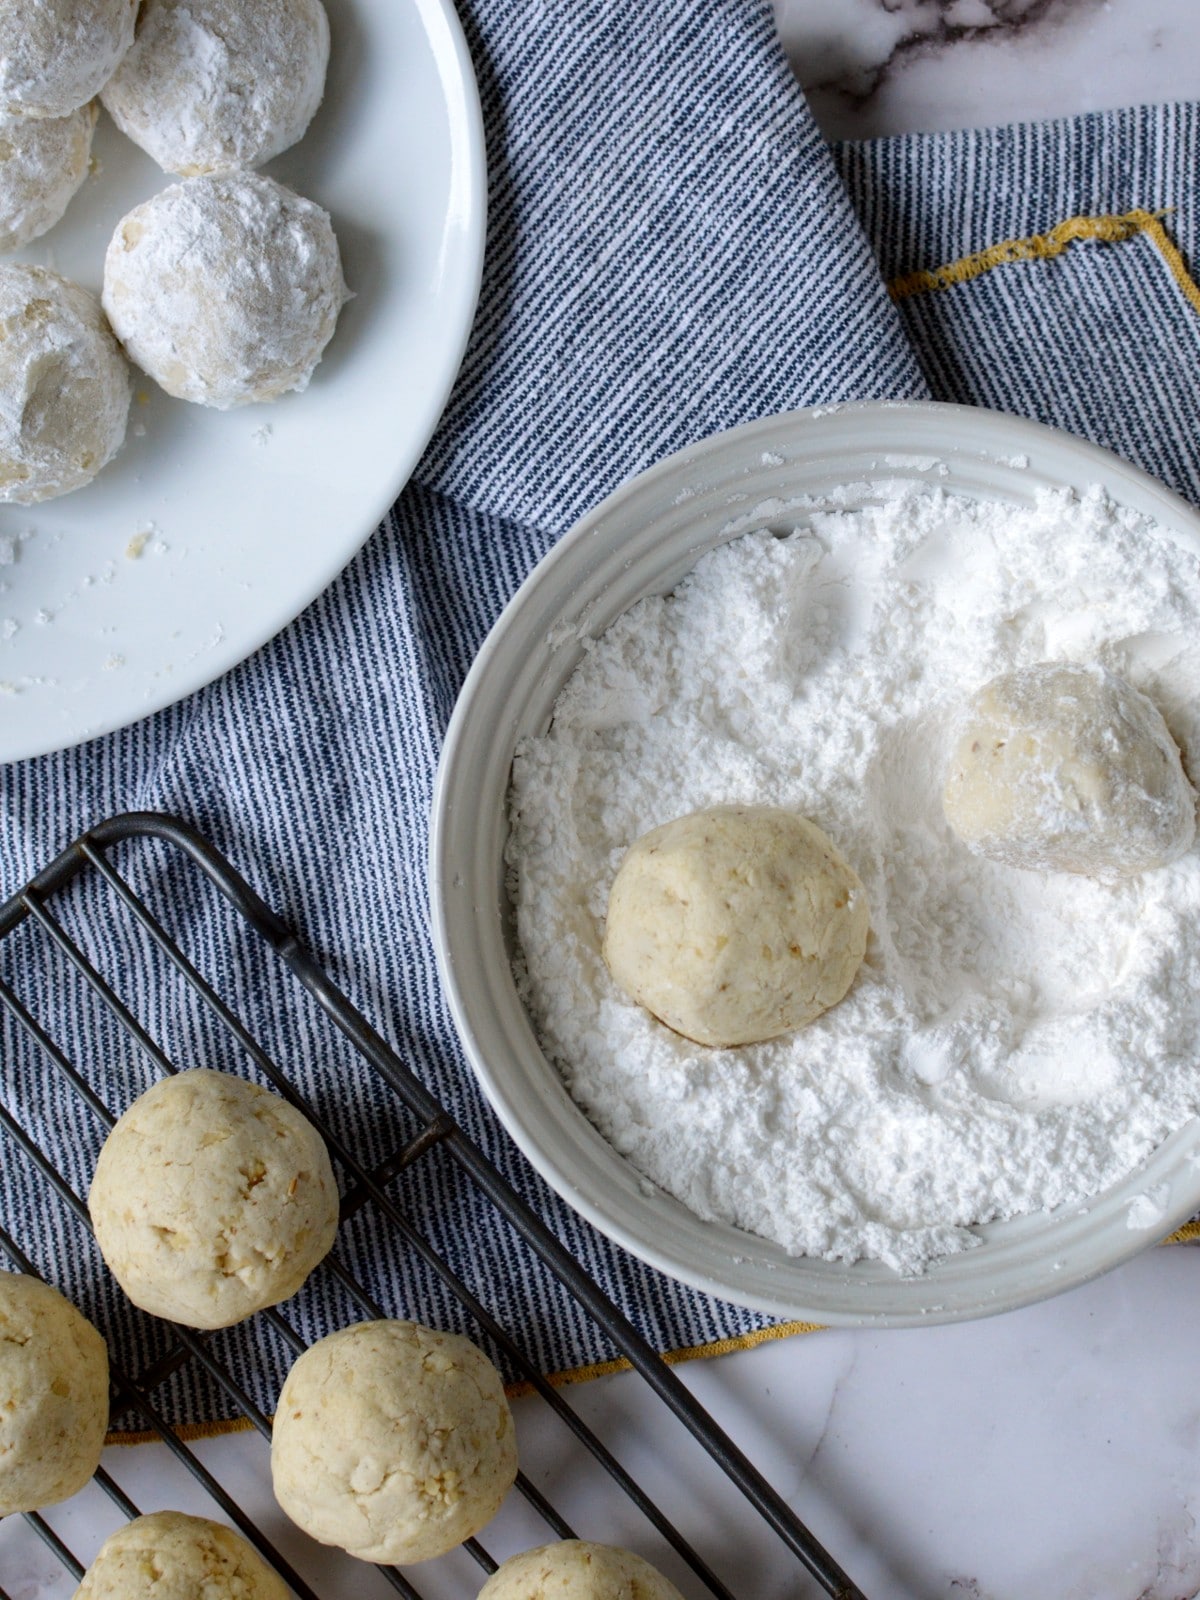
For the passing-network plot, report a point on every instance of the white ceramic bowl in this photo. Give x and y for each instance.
(640, 541)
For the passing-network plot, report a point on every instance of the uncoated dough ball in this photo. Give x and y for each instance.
(393, 1441)
(170, 1556)
(64, 386)
(212, 1198)
(225, 290)
(1069, 769)
(53, 1395)
(211, 85)
(42, 164)
(56, 55)
(736, 924)
(577, 1570)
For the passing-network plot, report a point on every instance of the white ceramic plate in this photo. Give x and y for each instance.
(249, 514)
(642, 540)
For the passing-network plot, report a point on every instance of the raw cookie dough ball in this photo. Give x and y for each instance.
(64, 386)
(170, 1556)
(577, 1570)
(53, 1396)
(225, 290)
(1069, 769)
(392, 1441)
(212, 1198)
(42, 164)
(736, 924)
(56, 55)
(211, 85)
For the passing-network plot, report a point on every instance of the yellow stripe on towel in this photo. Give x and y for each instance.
(1044, 246)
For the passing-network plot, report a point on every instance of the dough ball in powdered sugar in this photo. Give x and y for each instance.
(56, 55)
(392, 1441)
(226, 289)
(1069, 769)
(735, 924)
(213, 85)
(64, 386)
(212, 1198)
(170, 1556)
(43, 161)
(576, 1569)
(53, 1395)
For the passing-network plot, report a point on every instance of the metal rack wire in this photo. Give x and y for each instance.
(437, 1136)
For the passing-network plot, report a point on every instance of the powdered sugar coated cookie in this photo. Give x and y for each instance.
(64, 386)
(56, 55)
(213, 85)
(43, 161)
(225, 289)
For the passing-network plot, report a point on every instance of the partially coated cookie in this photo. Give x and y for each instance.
(735, 924)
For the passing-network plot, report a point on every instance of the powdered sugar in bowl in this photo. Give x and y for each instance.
(960, 1090)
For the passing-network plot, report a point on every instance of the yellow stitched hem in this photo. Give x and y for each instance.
(691, 1352)
(1043, 246)
(597, 1369)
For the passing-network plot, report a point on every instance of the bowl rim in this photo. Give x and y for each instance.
(1003, 440)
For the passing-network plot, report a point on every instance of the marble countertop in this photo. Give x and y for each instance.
(872, 67)
(1054, 1451)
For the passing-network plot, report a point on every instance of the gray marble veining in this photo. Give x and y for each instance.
(873, 67)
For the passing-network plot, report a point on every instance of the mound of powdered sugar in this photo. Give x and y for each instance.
(1014, 1040)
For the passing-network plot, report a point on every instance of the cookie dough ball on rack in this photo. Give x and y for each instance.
(226, 289)
(43, 161)
(1069, 769)
(64, 386)
(736, 924)
(577, 1570)
(53, 1395)
(392, 1441)
(212, 85)
(56, 55)
(170, 1556)
(212, 1198)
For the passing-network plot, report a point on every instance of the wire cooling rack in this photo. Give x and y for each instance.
(35, 937)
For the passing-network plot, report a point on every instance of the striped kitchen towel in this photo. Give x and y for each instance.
(1046, 269)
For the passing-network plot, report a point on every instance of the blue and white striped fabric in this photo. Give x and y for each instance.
(1099, 338)
(671, 251)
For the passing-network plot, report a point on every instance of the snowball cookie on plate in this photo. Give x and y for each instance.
(64, 386)
(735, 924)
(211, 85)
(56, 55)
(225, 289)
(577, 1570)
(392, 1441)
(1069, 769)
(53, 1395)
(212, 1198)
(170, 1556)
(43, 161)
